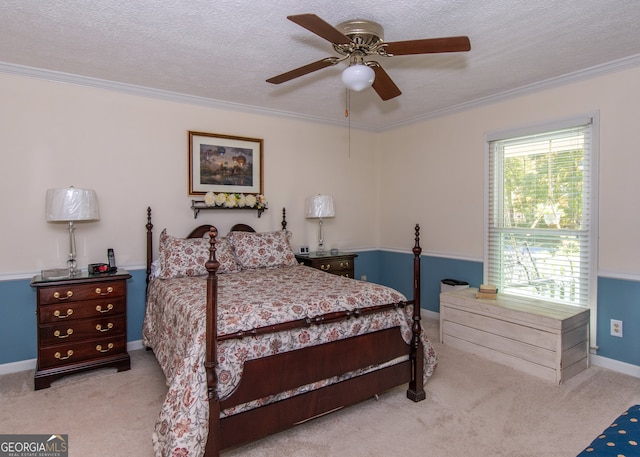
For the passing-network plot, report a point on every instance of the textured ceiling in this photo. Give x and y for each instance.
(224, 50)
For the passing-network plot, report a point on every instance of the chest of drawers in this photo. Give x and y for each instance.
(340, 264)
(82, 324)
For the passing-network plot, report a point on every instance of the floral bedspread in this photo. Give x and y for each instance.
(174, 327)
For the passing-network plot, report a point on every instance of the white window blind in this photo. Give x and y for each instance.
(540, 233)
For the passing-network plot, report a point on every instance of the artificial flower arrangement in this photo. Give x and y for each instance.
(233, 200)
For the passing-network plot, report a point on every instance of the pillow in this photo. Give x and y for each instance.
(180, 257)
(155, 269)
(262, 250)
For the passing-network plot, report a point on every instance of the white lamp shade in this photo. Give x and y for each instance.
(358, 77)
(320, 206)
(72, 204)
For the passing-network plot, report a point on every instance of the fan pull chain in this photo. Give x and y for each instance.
(346, 114)
(348, 102)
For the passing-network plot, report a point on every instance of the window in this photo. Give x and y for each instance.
(541, 234)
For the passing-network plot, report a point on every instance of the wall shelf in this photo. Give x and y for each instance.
(198, 205)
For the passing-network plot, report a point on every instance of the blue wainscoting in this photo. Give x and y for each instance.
(18, 330)
(136, 296)
(367, 264)
(617, 299)
(18, 340)
(397, 272)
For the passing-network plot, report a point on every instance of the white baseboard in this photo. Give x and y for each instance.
(134, 345)
(615, 365)
(15, 367)
(30, 364)
(604, 362)
(426, 314)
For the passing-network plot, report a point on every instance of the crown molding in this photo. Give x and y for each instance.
(581, 75)
(142, 91)
(69, 78)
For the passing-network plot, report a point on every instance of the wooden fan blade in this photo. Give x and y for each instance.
(304, 70)
(429, 45)
(321, 28)
(384, 85)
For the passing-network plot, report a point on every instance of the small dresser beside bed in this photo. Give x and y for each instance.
(252, 343)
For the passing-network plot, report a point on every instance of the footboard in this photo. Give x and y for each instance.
(263, 377)
(305, 366)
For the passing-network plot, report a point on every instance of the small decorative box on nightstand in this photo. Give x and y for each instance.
(340, 264)
(82, 324)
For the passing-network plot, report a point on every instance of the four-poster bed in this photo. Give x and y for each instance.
(280, 343)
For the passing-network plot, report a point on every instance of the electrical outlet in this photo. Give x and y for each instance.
(363, 278)
(616, 328)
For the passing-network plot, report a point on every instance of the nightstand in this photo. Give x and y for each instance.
(82, 324)
(341, 264)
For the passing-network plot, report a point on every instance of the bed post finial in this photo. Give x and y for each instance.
(416, 388)
(212, 264)
(284, 219)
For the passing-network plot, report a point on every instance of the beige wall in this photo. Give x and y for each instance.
(434, 170)
(133, 151)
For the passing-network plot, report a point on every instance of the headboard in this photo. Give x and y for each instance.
(197, 232)
(202, 230)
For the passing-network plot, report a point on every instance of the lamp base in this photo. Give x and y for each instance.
(55, 273)
(72, 266)
(321, 250)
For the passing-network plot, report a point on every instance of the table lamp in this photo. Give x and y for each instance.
(72, 205)
(319, 207)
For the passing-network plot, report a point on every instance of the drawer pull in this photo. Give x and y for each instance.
(344, 264)
(59, 356)
(100, 292)
(60, 316)
(326, 267)
(100, 329)
(68, 295)
(100, 310)
(109, 347)
(59, 334)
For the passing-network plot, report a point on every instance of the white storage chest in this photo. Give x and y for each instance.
(545, 339)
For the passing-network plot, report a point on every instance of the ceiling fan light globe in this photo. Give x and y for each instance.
(358, 77)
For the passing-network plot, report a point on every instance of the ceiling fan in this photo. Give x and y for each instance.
(356, 40)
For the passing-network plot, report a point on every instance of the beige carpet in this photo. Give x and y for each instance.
(473, 408)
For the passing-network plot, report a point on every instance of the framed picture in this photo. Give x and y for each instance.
(224, 163)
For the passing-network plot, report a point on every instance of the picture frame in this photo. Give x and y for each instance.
(225, 163)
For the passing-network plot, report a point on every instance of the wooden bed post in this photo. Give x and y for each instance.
(416, 388)
(149, 227)
(211, 356)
